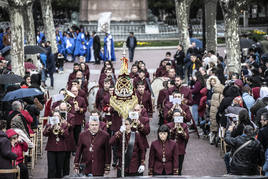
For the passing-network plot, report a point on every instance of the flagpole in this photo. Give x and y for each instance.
(124, 132)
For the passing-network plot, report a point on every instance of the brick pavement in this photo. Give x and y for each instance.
(201, 159)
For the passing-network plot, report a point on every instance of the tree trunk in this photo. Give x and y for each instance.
(29, 28)
(49, 28)
(17, 39)
(211, 25)
(182, 21)
(231, 10)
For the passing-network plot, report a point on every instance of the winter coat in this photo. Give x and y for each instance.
(202, 103)
(260, 103)
(6, 155)
(249, 102)
(18, 149)
(51, 64)
(209, 87)
(215, 103)
(263, 137)
(247, 160)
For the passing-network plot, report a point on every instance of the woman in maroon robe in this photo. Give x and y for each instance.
(163, 157)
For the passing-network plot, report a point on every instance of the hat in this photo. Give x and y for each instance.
(10, 133)
(239, 83)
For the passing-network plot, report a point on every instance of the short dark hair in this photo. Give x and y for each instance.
(132, 33)
(95, 111)
(248, 130)
(76, 64)
(265, 115)
(246, 89)
(140, 83)
(212, 52)
(3, 124)
(168, 53)
(141, 71)
(163, 128)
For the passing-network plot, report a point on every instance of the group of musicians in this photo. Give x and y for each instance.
(99, 145)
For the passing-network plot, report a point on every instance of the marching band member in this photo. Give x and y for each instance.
(141, 77)
(103, 125)
(179, 133)
(101, 93)
(143, 126)
(176, 103)
(56, 145)
(188, 99)
(72, 75)
(144, 98)
(163, 157)
(108, 74)
(79, 109)
(93, 150)
(82, 80)
(81, 92)
(134, 71)
(135, 156)
(69, 139)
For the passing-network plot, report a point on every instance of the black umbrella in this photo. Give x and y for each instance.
(246, 43)
(10, 79)
(34, 49)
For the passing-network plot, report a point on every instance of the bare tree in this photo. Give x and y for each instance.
(211, 25)
(49, 27)
(17, 36)
(231, 10)
(29, 27)
(182, 10)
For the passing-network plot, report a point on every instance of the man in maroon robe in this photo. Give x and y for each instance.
(102, 92)
(72, 75)
(93, 150)
(187, 95)
(144, 98)
(79, 109)
(81, 92)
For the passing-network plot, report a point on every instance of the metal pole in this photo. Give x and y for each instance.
(123, 150)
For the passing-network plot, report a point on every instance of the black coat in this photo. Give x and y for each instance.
(179, 57)
(96, 43)
(6, 156)
(263, 137)
(51, 65)
(128, 42)
(247, 160)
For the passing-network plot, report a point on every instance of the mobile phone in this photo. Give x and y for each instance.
(63, 115)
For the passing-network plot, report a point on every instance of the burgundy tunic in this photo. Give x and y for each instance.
(163, 156)
(160, 71)
(181, 140)
(138, 155)
(79, 115)
(100, 97)
(146, 101)
(55, 104)
(102, 78)
(72, 76)
(69, 140)
(133, 75)
(137, 80)
(185, 91)
(167, 113)
(95, 152)
(52, 144)
(163, 93)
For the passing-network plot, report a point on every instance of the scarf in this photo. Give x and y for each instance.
(21, 124)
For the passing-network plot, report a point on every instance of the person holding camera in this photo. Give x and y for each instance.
(247, 152)
(93, 150)
(57, 131)
(135, 151)
(163, 157)
(179, 133)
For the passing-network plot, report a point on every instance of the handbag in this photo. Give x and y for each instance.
(237, 150)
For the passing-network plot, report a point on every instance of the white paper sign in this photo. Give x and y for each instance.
(133, 115)
(178, 119)
(58, 97)
(176, 101)
(53, 120)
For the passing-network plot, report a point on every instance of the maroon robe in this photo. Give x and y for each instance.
(138, 155)
(79, 115)
(84, 87)
(55, 104)
(144, 130)
(157, 151)
(160, 71)
(163, 93)
(72, 77)
(181, 140)
(167, 114)
(95, 152)
(69, 140)
(146, 101)
(103, 77)
(133, 75)
(99, 98)
(185, 91)
(52, 144)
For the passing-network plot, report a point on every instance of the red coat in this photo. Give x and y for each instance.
(203, 102)
(99, 158)
(138, 155)
(181, 140)
(79, 115)
(146, 101)
(157, 151)
(183, 90)
(52, 144)
(29, 120)
(18, 149)
(167, 115)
